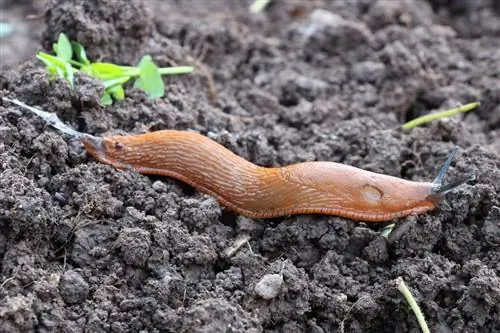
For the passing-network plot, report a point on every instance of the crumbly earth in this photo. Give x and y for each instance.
(87, 248)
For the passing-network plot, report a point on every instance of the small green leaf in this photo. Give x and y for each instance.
(79, 51)
(117, 92)
(50, 61)
(50, 65)
(57, 66)
(106, 99)
(150, 78)
(63, 48)
(106, 71)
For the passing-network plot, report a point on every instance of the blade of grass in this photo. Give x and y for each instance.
(386, 231)
(403, 289)
(258, 5)
(438, 115)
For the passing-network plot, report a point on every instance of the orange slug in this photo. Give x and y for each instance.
(260, 192)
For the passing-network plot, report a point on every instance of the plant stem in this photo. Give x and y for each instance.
(176, 70)
(75, 63)
(135, 71)
(438, 115)
(403, 289)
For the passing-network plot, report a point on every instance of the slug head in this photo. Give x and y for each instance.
(364, 195)
(94, 147)
(397, 197)
(359, 194)
(112, 150)
(430, 194)
(438, 188)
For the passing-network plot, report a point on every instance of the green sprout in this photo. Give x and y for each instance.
(403, 289)
(438, 115)
(71, 58)
(258, 5)
(386, 231)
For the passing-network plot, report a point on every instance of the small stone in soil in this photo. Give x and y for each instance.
(73, 288)
(269, 286)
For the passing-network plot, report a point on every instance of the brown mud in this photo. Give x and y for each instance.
(87, 248)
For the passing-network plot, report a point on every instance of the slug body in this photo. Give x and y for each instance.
(259, 192)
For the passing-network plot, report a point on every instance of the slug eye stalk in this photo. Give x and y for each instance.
(437, 185)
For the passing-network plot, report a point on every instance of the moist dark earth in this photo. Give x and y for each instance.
(85, 247)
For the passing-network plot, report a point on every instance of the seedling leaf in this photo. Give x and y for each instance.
(147, 74)
(117, 92)
(150, 78)
(51, 61)
(106, 99)
(80, 53)
(63, 48)
(105, 71)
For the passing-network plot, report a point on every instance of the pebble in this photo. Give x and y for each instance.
(269, 286)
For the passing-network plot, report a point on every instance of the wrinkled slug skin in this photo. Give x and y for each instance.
(303, 188)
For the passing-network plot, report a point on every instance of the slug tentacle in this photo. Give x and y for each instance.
(437, 184)
(453, 185)
(438, 187)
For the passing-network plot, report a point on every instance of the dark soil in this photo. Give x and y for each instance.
(87, 248)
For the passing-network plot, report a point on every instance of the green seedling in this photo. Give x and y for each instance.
(70, 58)
(258, 5)
(439, 115)
(403, 289)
